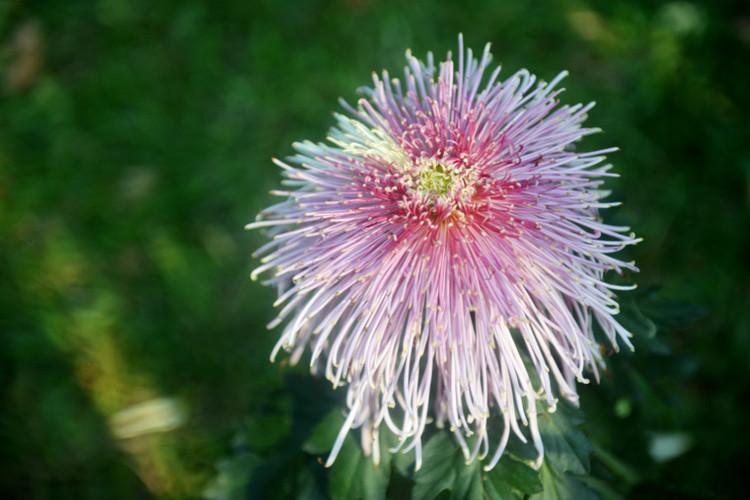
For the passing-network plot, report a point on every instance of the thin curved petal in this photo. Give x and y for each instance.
(443, 254)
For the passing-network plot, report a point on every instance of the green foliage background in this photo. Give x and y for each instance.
(135, 143)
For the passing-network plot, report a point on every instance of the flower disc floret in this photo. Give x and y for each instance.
(441, 189)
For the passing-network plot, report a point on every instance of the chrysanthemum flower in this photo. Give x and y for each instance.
(443, 255)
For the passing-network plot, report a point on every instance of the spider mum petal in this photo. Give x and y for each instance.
(443, 257)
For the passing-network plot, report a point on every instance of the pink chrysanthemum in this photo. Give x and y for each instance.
(444, 245)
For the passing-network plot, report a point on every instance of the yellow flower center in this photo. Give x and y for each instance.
(439, 182)
(435, 179)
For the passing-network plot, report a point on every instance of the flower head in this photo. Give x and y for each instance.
(443, 255)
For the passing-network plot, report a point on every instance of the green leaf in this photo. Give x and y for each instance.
(671, 314)
(511, 479)
(354, 476)
(444, 468)
(561, 486)
(312, 400)
(324, 434)
(643, 329)
(565, 446)
(644, 314)
(523, 452)
(635, 321)
(312, 483)
(404, 462)
(268, 462)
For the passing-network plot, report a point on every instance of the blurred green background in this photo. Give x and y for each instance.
(135, 143)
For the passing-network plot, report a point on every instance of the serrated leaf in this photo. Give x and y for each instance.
(444, 469)
(558, 485)
(510, 479)
(565, 446)
(274, 436)
(354, 476)
(523, 452)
